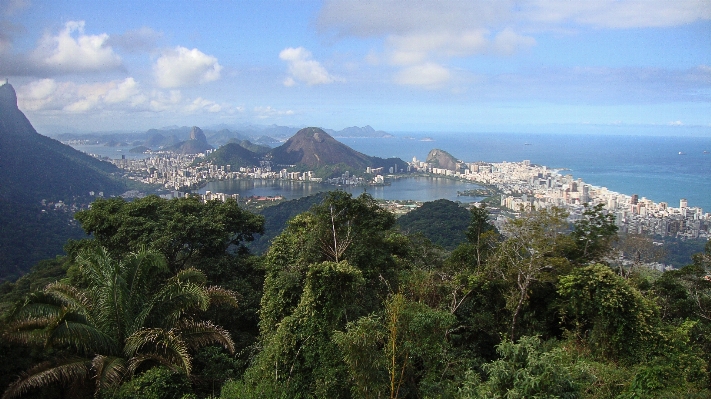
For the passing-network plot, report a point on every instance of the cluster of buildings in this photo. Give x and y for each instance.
(524, 186)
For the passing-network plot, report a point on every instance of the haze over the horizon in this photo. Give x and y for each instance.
(405, 65)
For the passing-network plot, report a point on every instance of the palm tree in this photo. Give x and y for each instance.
(129, 317)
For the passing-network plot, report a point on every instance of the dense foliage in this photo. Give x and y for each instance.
(345, 304)
(443, 222)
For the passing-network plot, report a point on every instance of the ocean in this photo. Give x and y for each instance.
(660, 168)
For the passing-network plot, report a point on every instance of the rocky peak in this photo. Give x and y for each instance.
(442, 159)
(197, 134)
(8, 97)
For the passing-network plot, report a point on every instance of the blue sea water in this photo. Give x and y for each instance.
(661, 168)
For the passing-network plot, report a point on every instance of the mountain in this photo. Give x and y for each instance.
(35, 168)
(442, 159)
(443, 222)
(196, 144)
(355, 131)
(232, 154)
(313, 147)
(255, 148)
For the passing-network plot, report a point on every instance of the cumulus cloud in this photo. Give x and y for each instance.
(420, 34)
(302, 68)
(71, 50)
(126, 96)
(203, 104)
(427, 75)
(180, 67)
(269, 112)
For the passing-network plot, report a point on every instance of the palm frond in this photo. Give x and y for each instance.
(110, 371)
(68, 295)
(203, 333)
(83, 337)
(160, 344)
(95, 264)
(49, 373)
(176, 299)
(137, 272)
(191, 275)
(220, 296)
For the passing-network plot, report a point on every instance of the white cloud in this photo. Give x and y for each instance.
(126, 96)
(203, 104)
(620, 14)
(429, 75)
(302, 68)
(180, 67)
(420, 33)
(269, 112)
(676, 123)
(73, 51)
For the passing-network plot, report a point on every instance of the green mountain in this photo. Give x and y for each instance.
(443, 222)
(232, 154)
(314, 148)
(35, 168)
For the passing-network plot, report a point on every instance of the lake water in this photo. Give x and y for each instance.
(414, 188)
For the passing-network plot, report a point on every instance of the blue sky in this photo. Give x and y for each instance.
(411, 65)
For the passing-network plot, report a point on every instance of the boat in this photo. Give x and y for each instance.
(682, 153)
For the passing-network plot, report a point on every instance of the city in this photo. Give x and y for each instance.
(521, 185)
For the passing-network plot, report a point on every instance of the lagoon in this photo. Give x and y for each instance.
(410, 188)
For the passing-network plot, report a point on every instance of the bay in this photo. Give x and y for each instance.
(109, 151)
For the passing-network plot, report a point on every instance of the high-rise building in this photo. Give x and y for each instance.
(635, 199)
(683, 203)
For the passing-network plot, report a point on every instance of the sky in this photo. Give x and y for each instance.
(397, 65)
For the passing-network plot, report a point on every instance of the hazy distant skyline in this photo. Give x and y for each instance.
(396, 65)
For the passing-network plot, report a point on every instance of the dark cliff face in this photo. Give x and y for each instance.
(8, 98)
(35, 167)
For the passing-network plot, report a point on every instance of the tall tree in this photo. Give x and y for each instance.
(533, 252)
(185, 230)
(593, 234)
(130, 317)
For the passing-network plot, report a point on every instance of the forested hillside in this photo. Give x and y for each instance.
(166, 301)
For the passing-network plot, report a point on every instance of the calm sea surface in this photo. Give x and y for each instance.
(650, 166)
(660, 168)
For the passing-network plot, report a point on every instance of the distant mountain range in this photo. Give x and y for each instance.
(35, 168)
(171, 136)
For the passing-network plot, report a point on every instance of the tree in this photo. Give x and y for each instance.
(636, 250)
(299, 359)
(606, 312)
(593, 234)
(481, 233)
(356, 230)
(184, 230)
(130, 317)
(532, 252)
(526, 369)
(400, 353)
